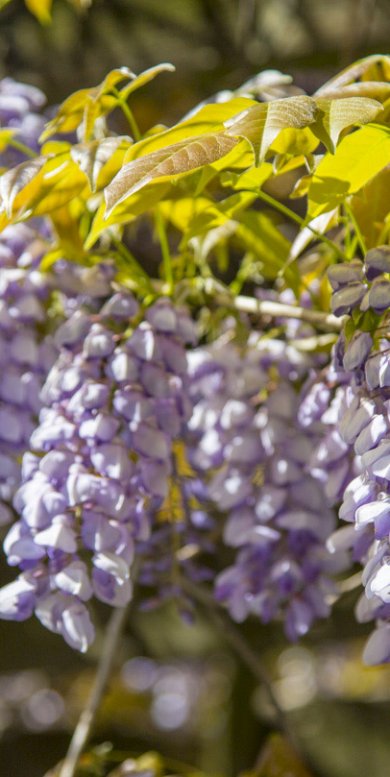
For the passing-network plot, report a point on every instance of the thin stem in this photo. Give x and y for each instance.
(243, 650)
(129, 115)
(87, 718)
(23, 148)
(130, 260)
(166, 254)
(322, 320)
(299, 220)
(358, 232)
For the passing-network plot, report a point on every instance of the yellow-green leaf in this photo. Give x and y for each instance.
(41, 9)
(208, 119)
(358, 158)
(183, 211)
(6, 135)
(39, 186)
(259, 234)
(278, 759)
(251, 180)
(378, 90)
(145, 77)
(376, 67)
(168, 162)
(261, 123)
(337, 115)
(127, 211)
(93, 157)
(295, 141)
(216, 214)
(319, 225)
(371, 207)
(87, 104)
(15, 180)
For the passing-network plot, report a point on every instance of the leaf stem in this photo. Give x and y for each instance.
(358, 232)
(126, 110)
(19, 146)
(130, 260)
(299, 220)
(87, 718)
(166, 254)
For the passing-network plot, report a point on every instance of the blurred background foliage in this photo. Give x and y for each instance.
(214, 44)
(178, 689)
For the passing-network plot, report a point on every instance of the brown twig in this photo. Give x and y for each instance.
(87, 718)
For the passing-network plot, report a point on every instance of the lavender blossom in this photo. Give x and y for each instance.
(100, 462)
(20, 112)
(26, 352)
(364, 426)
(273, 511)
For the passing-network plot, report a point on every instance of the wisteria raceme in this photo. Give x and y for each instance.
(274, 512)
(323, 405)
(99, 464)
(20, 112)
(26, 353)
(365, 425)
(27, 346)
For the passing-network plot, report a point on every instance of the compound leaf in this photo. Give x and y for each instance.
(143, 78)
(168, 162)
(358, 158)
(14, 181)
(376, 67)
(87, 104)
(93, 158)
(261, 123)
(337, 115)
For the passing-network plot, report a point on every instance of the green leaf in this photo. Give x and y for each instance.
(168, 162)
(92, 158)
(261, 123)
(337, 115)
(358, 158)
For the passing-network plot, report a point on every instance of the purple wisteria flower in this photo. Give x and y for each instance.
(273, 511)
(363, 360)
(26, 353)
(100, 462)
(20, 112)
